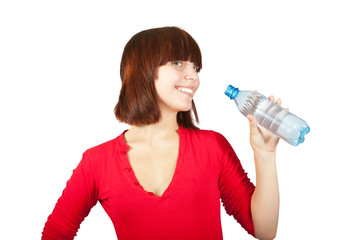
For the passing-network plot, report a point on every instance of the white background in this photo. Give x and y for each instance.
(59, 66)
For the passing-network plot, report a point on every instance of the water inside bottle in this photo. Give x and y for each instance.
(269, 115)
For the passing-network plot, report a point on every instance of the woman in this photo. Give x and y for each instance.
(163, 178)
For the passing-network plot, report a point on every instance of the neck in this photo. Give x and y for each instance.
(166, 126)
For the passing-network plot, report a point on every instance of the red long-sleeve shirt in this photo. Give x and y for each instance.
(207, 170)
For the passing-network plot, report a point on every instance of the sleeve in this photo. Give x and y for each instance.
(236, 189)
(75, 203)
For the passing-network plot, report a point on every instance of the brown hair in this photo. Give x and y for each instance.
(145, 52)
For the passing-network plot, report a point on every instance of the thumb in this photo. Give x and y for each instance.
(252, 123)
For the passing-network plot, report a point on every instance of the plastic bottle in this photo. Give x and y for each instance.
(269, 115)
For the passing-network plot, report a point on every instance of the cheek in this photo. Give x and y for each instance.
(197, 84)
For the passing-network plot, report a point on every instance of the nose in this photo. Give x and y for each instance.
(190, 73)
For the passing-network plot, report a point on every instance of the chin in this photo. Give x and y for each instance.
(185, 108)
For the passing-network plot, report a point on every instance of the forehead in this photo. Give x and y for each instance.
(177, 45)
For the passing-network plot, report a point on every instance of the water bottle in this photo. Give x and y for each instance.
(269, 115)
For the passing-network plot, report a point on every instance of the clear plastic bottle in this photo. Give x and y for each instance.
(269, 115)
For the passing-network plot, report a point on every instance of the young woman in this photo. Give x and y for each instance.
(164, 178)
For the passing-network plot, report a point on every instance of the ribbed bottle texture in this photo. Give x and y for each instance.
(269, 115)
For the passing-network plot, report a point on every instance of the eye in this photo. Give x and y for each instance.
(197, 69)
(178, 64)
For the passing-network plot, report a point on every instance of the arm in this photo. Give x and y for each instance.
(78, 197)
(235, 187)
(265, 200)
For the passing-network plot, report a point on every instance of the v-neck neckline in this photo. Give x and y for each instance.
(124, 148)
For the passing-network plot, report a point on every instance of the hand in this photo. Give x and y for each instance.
(260, 138)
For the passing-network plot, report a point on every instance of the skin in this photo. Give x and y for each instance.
(154, 148)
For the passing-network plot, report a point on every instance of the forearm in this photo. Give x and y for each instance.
(265, 200)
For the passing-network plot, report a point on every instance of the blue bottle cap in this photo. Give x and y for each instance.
(231, 92)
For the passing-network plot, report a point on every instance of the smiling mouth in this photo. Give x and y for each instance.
(185, 90)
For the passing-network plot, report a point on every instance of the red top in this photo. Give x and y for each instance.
(207, 170)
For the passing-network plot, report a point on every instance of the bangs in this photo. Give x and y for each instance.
(176, 44)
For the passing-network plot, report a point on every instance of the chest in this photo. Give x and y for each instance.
(154, 166)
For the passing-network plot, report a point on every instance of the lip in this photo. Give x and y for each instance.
(189, 87)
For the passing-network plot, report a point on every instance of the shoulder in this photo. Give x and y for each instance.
(104, 149)
(208, 139)
(206, 135)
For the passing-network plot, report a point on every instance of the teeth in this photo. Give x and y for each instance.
(186, 90)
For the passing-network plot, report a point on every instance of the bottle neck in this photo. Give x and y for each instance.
(231, 92)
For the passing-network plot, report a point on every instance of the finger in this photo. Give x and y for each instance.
(287, 109)
(278, 101)
(271, 98)
(253, 124)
